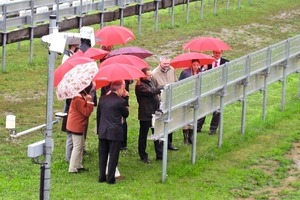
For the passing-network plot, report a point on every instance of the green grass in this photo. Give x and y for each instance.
(246, 166)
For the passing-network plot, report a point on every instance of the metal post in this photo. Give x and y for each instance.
(42, 177)
(227, 5)
(287, 50)
(215, 7)
(121, 16)
(80, 15)
(166, 133)
(48, 137)
(201, 10)
(4, 39)
(239, 4)
(265, 90)
(244, 100)
(172, 16)
(31, 44)
(31, 33)
(196, 109)
(156, 15)
(225, 77)
(187, 11)
(139, 18)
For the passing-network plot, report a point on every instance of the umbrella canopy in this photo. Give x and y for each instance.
(126, 59)
(70, 63)
(117, 71)
(95, 53)
(135, 51)
(73, 41)
(185, 60)
(113, 35)
(76, 80)
(206, 44)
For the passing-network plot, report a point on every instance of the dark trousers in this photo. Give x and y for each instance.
(170, 139)
(125, 128)
(142, 145)
(213, 124)
(111, 148)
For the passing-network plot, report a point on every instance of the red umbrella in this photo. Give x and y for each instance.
(126, 59)
(95, 53)
(68, 65)
(113, 35)
(185, 59)
(118, 71)
(206, 44)
(136, 51)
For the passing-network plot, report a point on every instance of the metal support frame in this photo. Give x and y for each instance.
(286, 64)
(140, 17)
(201, 10)
(222, 94)
(215, 7)
(48, 137)
(156, 14)
(187, 10)
(172, 13)
(265, 90)
(244, 100)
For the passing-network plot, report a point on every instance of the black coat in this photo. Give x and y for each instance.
(111, 112)
(147, 94)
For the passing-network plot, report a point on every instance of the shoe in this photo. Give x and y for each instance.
(199, 130)
(101, 181)
(120, 177)
(146, 160)
(212, 132)
(123, 148)
(75, 172)
(83, 169)
(172, 148)
(159, 158)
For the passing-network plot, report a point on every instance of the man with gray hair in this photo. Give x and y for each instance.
(165, 74)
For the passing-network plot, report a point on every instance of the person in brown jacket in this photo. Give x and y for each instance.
(80, 109)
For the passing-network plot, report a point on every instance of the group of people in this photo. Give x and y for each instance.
(113, 109)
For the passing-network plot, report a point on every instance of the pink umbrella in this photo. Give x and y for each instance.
(117, 71)
(113, 35)
(135, 51)
(95, 53)
(126, 59)
(206, 44)
(185, 60)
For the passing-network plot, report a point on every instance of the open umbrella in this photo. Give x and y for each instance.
(70, 63)
(135, 51)
(76, 79)
(117, 71)
(113, 35)
(95, 53)
(185, 59)
(126, 59)
(206, 44)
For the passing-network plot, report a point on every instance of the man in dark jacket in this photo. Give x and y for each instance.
(111, 111)
(147, 93)
(216, 115)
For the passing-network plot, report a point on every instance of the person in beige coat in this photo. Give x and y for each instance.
(165, 74)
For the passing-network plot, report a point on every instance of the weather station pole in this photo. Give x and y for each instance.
(49, 119)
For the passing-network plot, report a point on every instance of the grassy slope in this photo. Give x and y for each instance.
(225, 173)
